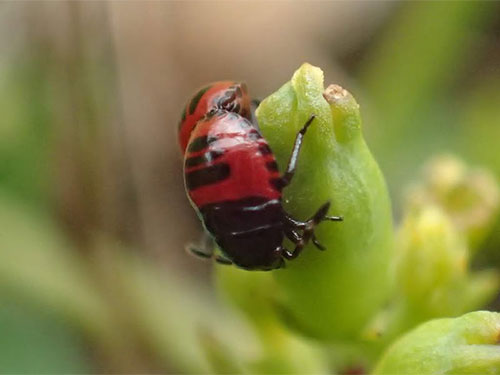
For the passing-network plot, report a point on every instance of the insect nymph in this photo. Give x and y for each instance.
(233, 182)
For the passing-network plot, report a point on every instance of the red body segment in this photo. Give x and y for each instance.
(225, 94)
(231, 141)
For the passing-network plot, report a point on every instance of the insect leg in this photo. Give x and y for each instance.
(317, 243)
(292, 162)
(295, 223)
(293, 235)
(319, 215)
(206, 250)
(255, 103)
(199, 251)
(287, 254)
(203, 249)
(317, 218)
(253, 107)
(222, 260)
(292, 226)
(333, 218)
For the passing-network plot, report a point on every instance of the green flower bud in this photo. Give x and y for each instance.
(464, 345)
(470, 196)
(433, 276)
(330, 294)
(431, 261)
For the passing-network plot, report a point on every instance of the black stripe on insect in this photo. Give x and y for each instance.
(207, 157)
(207, 176)
(196, 99)
(200, 143)
(272, 166)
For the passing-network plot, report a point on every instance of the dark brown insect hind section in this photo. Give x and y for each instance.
(250, 231)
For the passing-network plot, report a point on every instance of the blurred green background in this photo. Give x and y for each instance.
(93, 214)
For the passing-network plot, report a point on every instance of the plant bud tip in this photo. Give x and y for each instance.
(336, 93)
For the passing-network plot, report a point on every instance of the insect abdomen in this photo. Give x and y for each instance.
(247, 230)
(228, 160)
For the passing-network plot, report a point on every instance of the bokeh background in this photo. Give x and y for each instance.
(93, 214)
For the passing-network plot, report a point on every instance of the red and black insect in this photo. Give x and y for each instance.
(234, 184)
